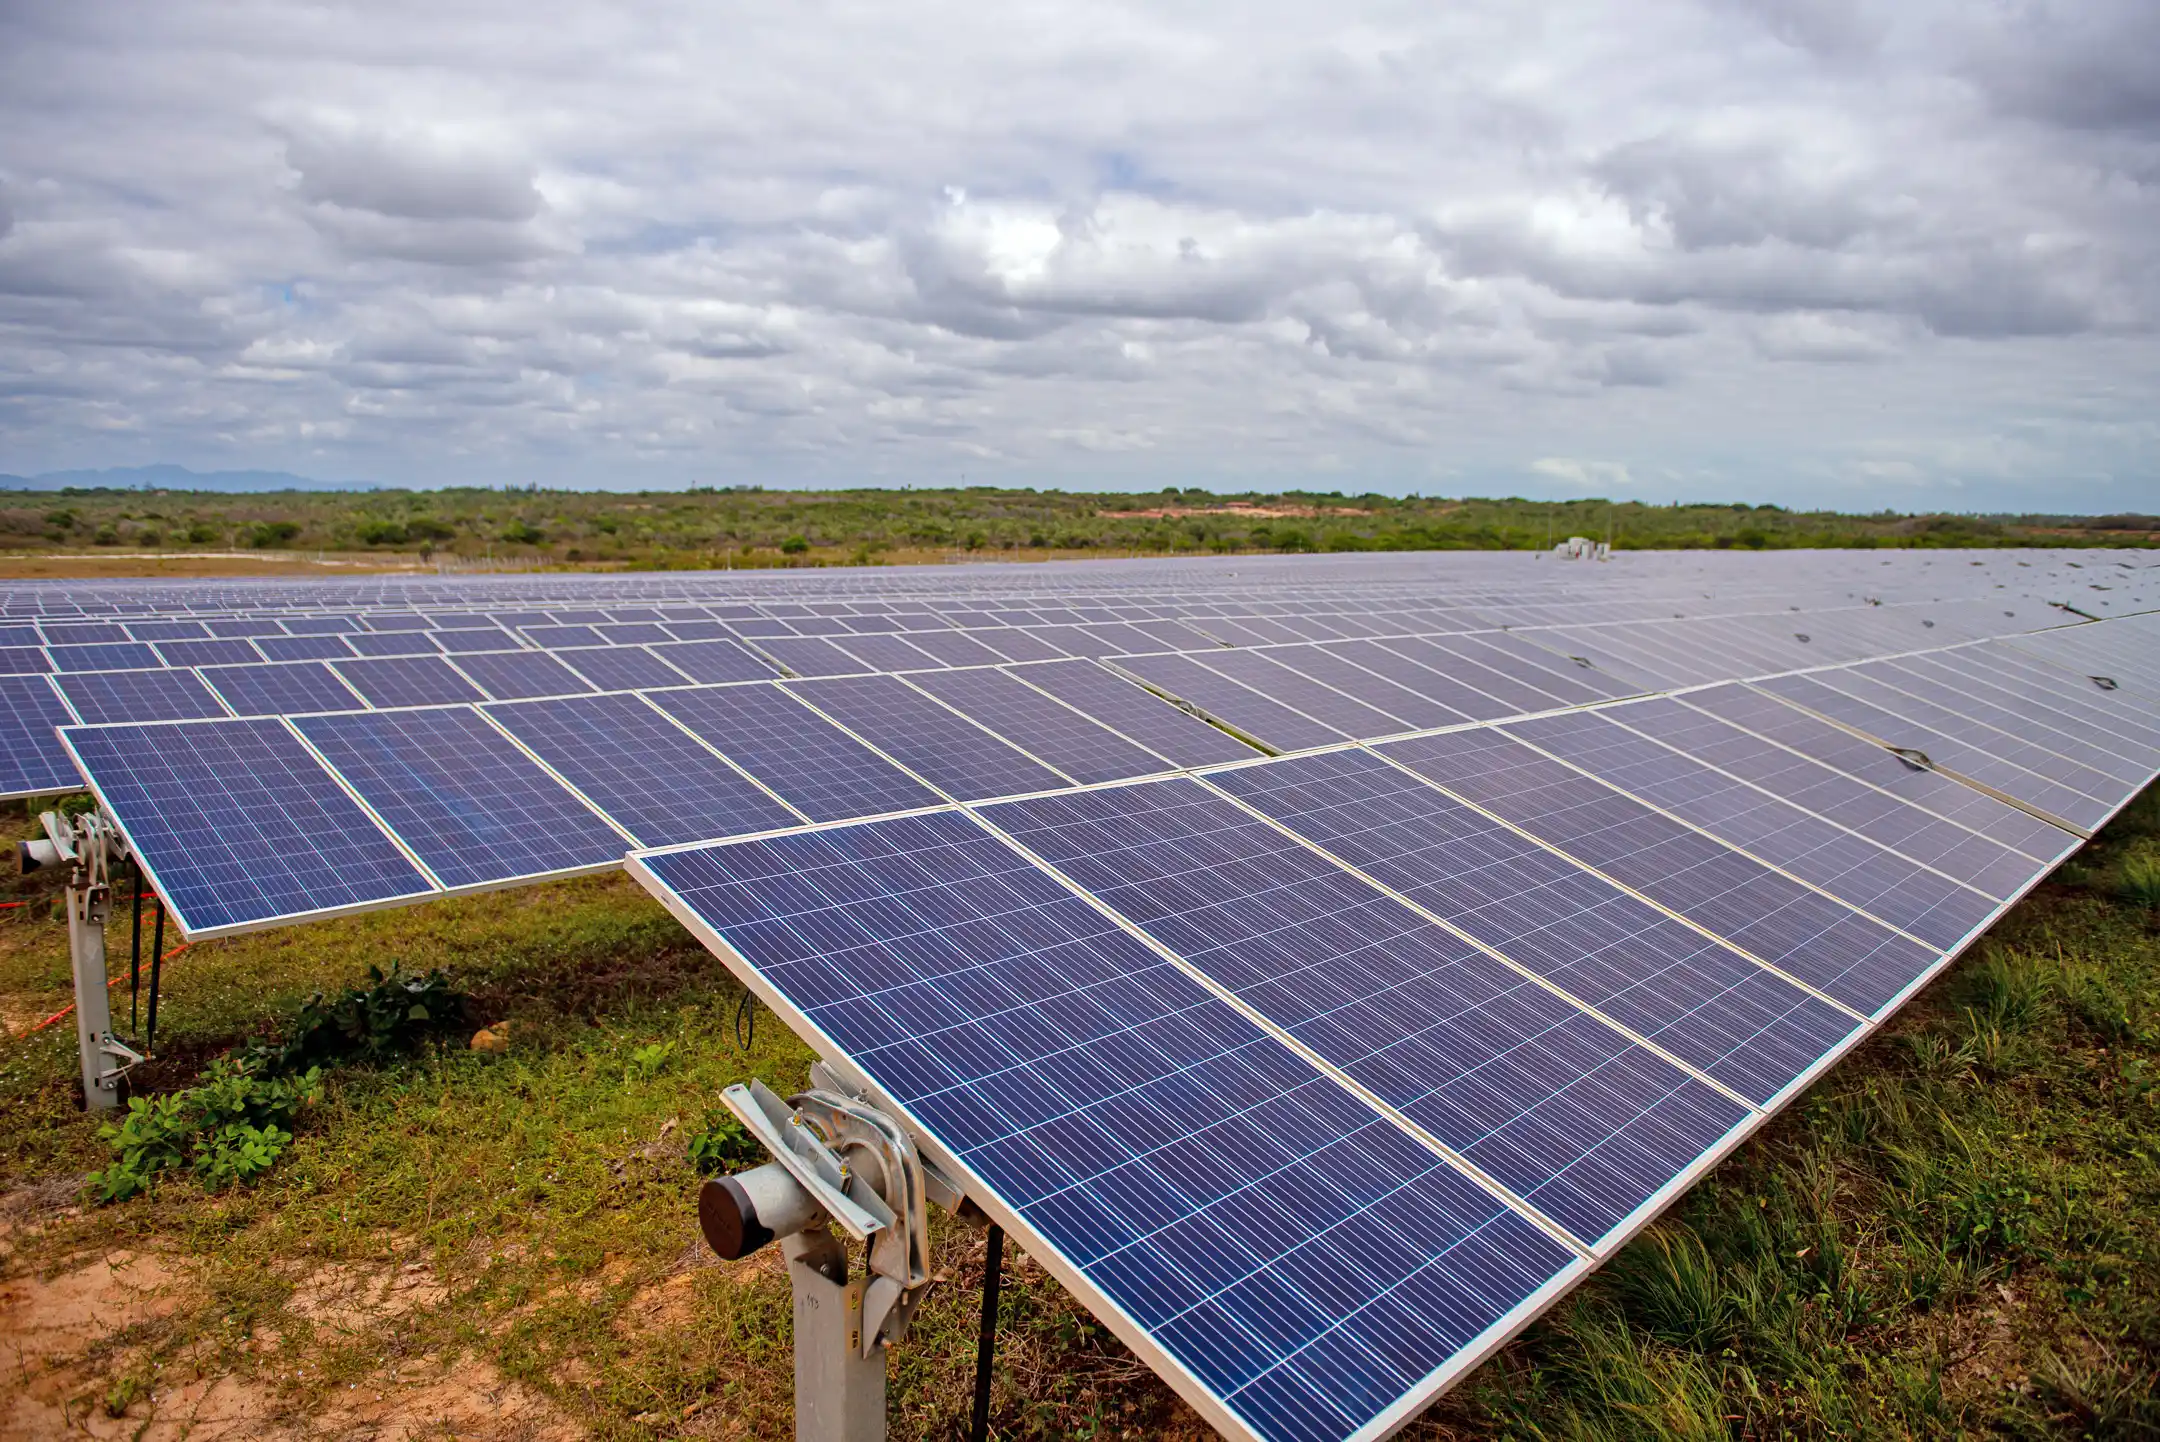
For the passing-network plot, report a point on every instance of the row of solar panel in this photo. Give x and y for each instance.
(1318, 1074)
(1358, 688)
(682, 764)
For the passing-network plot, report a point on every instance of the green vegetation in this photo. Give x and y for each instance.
(1956, 1232)
(749, 526)
(229, 1127)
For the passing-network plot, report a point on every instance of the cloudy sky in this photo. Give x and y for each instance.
(1810, 251)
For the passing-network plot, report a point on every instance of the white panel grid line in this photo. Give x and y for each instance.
(1424, 1138)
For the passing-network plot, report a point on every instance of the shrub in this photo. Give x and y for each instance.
(389, 1014)
(267, 534)
(795, 545)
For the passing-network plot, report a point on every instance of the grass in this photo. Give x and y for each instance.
(1957, 1232)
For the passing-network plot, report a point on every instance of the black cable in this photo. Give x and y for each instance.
(746, 1020)
(986, 1344)
(157, 964)
(135, 947)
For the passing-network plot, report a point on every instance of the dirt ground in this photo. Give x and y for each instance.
(88, 1352)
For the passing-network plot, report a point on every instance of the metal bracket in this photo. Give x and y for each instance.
(92, 846)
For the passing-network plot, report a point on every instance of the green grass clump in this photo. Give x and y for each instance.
(228, 1129)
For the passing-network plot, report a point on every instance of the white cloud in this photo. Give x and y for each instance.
(1090, 243)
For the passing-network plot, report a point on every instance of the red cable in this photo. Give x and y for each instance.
(63, 1011)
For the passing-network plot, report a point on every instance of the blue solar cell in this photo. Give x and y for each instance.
(32, 761)
(520, 675)
(1809, 936)
(1021, 645)
(699, 631)
(1893, 888)
(1131, 711)
(813, 656)
(1056, 733)
(490, 638)
(472, 806)
(1258, 716)
(120, 656)
(633, 634)
(954, 648)
(948, 751)
(1569, 1114)
(579, 618)
(642, 769)
(1339, 671)
(208, 653)
(714, 662)
(288, 689)
(321, 625)
(1528, 665)
(408, 681)
(555, 637)
(395, 621)
(89, 633)
(304, 648)
(1713, 1009)
(888, 653)
(1993, 758)
(2105, 755)
(237, 823)
(1261, 671)
(1506, 681)
(1993, 868)
(821, 770)
(638, 613)
(620, 668)
(249, 626)
(1126, 1120)
(166, 630)
(1819, 741)
(395, 643)
(1459, 700)
(23, 661)
(102, 696)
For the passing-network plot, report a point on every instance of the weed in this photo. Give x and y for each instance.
(648, 1061)
(387, 1015)
(2140, 878)
(724, 1145)
(228, 1130)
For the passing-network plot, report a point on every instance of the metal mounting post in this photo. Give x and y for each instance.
(90, 845)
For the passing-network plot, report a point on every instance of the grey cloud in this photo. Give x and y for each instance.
(471, 240)
(411, 178)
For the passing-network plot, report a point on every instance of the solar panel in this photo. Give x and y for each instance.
(490, 638)
(101, 696)
(304, 648)
(812, 764)
(1219, 698)
(1295, 1264)
(287, 690)
(813, 656)
(121, 656)
(520, 675)
(1275, 679)
(633, 633)
(408, 681)
(2085, 741)
(1699, 1000)
(1512, 683)
(1811, 736)
(474, 808)
(1021, 645)
(642, 769)
(23, 661)
(395, 643)
(1130, 711)
(714, 662)
(1979, 752)
(32, 761)
(887, 653)
(84, 634)
(207, 653)
(620, 668)
(1440, 687)
(1072, 743)
(955, 648)
(948, 751)
(237, 824)
(1566, 1112)
(1810, 937)
(1982, 862)
(1936, 908)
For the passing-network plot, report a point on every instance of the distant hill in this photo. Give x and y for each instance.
(175, 478)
